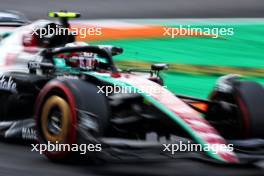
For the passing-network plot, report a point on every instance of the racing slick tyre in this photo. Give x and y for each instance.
(64, 108)
(247, 121)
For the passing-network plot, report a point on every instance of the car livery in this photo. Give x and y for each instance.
(57, 99)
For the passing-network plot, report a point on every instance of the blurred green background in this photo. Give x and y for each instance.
(196, 62)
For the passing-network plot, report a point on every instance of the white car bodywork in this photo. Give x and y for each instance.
(12, 49)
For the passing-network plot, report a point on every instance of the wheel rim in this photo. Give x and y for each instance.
(55, 119)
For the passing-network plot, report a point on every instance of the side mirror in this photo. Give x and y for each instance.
(112, 49)
(116, 51)
(159, 67)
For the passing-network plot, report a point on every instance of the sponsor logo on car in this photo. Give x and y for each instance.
(29, 133)
(7, 84)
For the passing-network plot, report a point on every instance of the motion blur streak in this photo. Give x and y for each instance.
(140, 8)
(19, 160)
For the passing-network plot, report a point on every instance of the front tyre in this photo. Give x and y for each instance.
(68, 111)
(247, 120)
(56, 119)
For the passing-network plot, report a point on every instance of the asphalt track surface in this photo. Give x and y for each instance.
(17, 159)
(35, 9)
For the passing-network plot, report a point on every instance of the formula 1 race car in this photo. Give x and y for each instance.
(25, 39)
(9, 21)
(74, 95)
